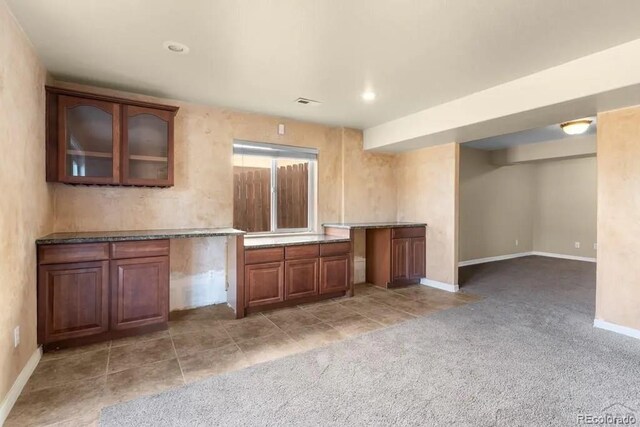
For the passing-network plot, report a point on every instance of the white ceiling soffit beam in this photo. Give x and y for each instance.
(579, 146)
(602, 81)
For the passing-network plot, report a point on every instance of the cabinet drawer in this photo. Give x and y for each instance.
(76, 252)
(257, 256)
(404, 232)
(330, 249)
(302, 251)
(139, 249)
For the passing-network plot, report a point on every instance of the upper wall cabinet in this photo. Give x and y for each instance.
(94, 139)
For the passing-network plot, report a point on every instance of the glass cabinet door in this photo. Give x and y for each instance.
(147, 146)
(89, 131)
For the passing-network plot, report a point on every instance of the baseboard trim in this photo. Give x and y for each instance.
(13, 394)
(492, 259)
(624, 330)
(440, 285)
(523, 254)
(563, 256)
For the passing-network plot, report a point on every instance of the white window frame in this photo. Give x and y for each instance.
(290, 152)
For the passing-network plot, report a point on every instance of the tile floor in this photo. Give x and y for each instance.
(69, 387)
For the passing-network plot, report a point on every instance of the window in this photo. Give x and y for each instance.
(273, 187)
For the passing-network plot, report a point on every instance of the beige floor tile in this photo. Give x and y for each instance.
(355, 325)
(139, 354)
(250, 328)
(330, 312)
(74, 351)
(313, 336)
(212, 312)
(318, 303)
(56, 372)
(217, 361)
(265, 348)
(140, 338)
(142, 381)
(291, 318)
(389, 297)
(366, 289)
(199, 341)
(386, 315)
(56, 404)
(186, 326)
(415, 307)
(87, 419)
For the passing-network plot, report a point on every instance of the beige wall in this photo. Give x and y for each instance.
(546, 205)
(618, 274)
(428, 191)
(565, 207)
(496, 206)
(25, 204)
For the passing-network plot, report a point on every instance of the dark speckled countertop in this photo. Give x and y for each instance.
(358, 225)
(276, 241)
(130, 235)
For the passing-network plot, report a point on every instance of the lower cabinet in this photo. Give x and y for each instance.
(73, 300)
(277, 275)
(264, 284)
(396, 255)
(139, 292)
(301, 278)
(94, 291)
(418, 258)
(408, 259)
(334, 274)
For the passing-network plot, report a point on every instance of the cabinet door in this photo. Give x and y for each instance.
(301, 278)
(72, 300)
(264, 283)
(334, 274)
(400, 259)
(89, 141)
(139, 292)
(147, 146)
(417, 258)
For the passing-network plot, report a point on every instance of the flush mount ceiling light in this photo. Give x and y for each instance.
(176, 47)
(368, 95)
(576, 127)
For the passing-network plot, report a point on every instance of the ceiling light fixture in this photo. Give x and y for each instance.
(176, 47)
(368, 95)
(576, 127)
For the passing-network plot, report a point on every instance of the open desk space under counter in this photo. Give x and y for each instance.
(97, 286)
(395, 251)
(290, 270)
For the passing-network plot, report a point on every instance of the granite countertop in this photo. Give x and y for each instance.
(130, 235)
(357, 225)
(270, 242)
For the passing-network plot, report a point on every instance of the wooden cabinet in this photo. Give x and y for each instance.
(95, 139)
(89, 292)
(334, 274)
(73, 300)
(301, 278)
(139, 292)
(395, 256)
(288, 275)
(264, 284)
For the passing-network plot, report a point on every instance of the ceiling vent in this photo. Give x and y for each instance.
(307, 101)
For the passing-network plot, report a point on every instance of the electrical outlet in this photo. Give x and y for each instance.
(576, 245)
(517, 243)
(595, 246)
(281, 129)
(16, 337)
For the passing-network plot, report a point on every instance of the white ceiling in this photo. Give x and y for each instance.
(529, 136)
(260, 55)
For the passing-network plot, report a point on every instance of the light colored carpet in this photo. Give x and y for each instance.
(526, 355)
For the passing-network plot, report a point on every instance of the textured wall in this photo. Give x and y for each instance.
(428, 191)
(25, 204)
(565, 206)
(618, 276)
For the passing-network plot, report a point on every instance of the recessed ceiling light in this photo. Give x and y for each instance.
(368, 95)
(576, 127)
(176, 47)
